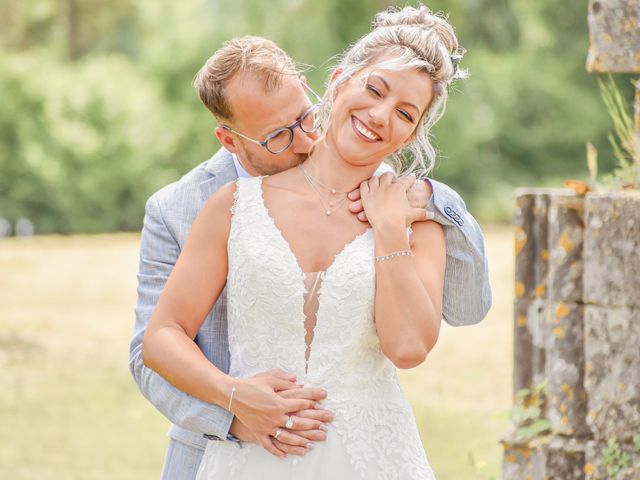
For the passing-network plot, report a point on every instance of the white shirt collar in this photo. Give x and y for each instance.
(242, 173)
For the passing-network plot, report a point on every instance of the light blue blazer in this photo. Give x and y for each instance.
(168, 218)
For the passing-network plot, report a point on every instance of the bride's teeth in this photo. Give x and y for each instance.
(364, 131)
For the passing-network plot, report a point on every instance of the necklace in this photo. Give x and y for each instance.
(315, 184)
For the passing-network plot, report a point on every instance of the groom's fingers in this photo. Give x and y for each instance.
(356, 207)
(279, 384)
(354, 195)
(267, 443)
(419, 215)
(408, 181)
(292, 438)
(276, 372)
(289, 449)
(309, 393)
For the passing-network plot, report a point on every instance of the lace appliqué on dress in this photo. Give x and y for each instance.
(266, 324)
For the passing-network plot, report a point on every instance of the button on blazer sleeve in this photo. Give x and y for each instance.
(467, 293)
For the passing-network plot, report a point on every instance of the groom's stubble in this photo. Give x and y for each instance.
(262, 164)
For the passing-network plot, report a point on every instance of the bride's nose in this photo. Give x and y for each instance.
(378, 115)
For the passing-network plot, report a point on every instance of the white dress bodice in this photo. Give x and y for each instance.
(266, 323)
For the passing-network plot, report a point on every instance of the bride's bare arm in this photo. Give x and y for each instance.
(168, 347)
(409, 289)
(191, 290)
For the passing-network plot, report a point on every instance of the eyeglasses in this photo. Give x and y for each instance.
(282, 138)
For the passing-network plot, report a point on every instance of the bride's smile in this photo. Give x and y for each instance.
(376, 112)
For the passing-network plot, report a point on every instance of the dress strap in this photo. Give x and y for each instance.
(248, 193)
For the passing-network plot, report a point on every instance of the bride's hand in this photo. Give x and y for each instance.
(263, 411)
(309, 424)
(314, 419)
(385, 200)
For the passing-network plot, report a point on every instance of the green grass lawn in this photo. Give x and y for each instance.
(69, 408)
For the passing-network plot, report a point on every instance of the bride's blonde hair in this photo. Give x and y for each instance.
(411, 37)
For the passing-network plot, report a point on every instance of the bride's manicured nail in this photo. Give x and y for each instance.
(310, 446)
(324, 427)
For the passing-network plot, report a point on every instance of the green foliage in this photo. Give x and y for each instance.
(527, 413)
(624, 139)
(57, 166)
(97, 108)
(614, 459)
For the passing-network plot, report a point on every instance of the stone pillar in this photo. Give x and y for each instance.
(566, 398)
(577, 308)
(596, 452)
(614, 36)
(612, 326)
(544, 458)
(548, 332)
(532, 256)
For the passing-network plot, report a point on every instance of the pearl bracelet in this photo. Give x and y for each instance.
(403, 253)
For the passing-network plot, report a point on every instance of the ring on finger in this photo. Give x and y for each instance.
(278, 432)
(289, 423)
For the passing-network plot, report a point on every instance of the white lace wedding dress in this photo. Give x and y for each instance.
(278, 319)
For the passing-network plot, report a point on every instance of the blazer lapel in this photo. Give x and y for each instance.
(221, 169)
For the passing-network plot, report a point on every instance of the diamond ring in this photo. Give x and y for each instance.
(289, 423)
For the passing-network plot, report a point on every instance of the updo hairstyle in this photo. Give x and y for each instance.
(411, 37)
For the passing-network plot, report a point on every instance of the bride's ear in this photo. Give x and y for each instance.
(332, 80)
(334, 75)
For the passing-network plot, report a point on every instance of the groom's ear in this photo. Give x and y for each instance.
(226, 139)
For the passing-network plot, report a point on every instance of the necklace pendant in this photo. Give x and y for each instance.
(333, 190)
(328, 212)
(331, 204)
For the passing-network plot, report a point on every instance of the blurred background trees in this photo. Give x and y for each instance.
(97, 110)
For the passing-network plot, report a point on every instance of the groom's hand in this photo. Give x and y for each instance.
(418, 194)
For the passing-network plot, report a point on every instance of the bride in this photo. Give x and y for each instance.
(312, 290)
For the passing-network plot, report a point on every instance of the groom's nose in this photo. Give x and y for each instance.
(302, 141)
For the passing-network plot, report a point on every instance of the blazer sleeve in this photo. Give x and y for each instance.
(467, 293)
(159, 251)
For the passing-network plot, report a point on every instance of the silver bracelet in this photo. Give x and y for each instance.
(403, 253)
(233, 390)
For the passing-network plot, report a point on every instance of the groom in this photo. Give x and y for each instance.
(255, 92)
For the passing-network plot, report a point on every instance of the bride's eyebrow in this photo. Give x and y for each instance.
(379, 77)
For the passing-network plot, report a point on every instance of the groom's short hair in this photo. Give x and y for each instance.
(257, 55)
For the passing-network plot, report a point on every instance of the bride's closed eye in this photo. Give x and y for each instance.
(375, 92)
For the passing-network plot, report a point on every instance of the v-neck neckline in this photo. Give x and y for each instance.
(287, 245)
